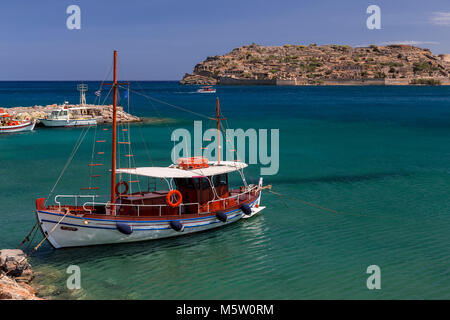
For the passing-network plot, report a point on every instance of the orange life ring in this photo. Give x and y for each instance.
(118, 186)
(169, 198)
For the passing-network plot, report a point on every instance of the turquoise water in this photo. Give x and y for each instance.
(380, 156)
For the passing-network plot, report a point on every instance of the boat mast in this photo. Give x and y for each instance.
(114, 143)
(218, 130)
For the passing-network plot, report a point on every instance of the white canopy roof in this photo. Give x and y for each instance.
(174, 172)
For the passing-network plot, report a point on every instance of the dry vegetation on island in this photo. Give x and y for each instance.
(326, 64)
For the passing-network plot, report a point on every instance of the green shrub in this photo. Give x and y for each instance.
(429, 82)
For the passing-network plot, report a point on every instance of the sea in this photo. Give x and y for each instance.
(363, 180)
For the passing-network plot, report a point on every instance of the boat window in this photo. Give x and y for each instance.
(216, 181)
(205, 183)
(185, 183)
(223, 179)
(180, 183)
(196, 182)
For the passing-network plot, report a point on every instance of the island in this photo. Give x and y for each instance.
(253, 64)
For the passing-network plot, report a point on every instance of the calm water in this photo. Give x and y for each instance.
(379, 155)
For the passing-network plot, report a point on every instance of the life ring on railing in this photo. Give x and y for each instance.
(169, 198)
(118, 186)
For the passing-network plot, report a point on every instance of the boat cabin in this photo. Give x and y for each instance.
(196, 190)
(59, 114)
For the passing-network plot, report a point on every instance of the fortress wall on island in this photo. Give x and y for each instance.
(325, 82)
(247, 82)
(355, 82)
(290, 82)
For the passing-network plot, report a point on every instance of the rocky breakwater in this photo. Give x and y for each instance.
(103, 113)
(15, 276)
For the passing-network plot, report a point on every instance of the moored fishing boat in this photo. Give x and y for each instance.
(197, 197)
(73, 116)
(68, 117)
(10, 124)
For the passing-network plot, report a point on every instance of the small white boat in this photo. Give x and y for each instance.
(71, 117)
(66, 117)
(206, 89)
(9, 124)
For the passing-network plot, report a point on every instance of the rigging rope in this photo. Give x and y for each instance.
(170, 105)
(74, 151)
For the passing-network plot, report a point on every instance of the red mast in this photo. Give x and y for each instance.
(114, 143)
(218, 129)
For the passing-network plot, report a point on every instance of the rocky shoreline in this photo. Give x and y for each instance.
(15, 276)
(253, 64)
(102, 113)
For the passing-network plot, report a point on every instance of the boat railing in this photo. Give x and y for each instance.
(75, 197)
(87, 206)
(238, 197)
(138, 206)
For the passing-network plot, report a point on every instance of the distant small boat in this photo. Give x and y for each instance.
(9, 123)
(66, 117)
(206, 89)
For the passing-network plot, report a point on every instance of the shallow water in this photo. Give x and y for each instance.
(378, 155)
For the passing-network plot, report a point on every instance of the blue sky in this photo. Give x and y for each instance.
(163, 39)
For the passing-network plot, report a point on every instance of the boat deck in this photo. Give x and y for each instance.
(142, 206)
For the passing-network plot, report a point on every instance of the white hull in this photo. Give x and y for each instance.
(68, 123)
(209, 91)
(27, 126)
(101, 231)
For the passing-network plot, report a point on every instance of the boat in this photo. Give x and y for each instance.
(68, 117)
(196, 196)
(73, 116)
(10, 124)
(206, 89)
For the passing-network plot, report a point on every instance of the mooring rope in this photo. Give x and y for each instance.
(48, 233)
(27, 238)
(313, 205)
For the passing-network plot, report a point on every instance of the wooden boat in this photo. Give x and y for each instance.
(10, 124)
(197, 198)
